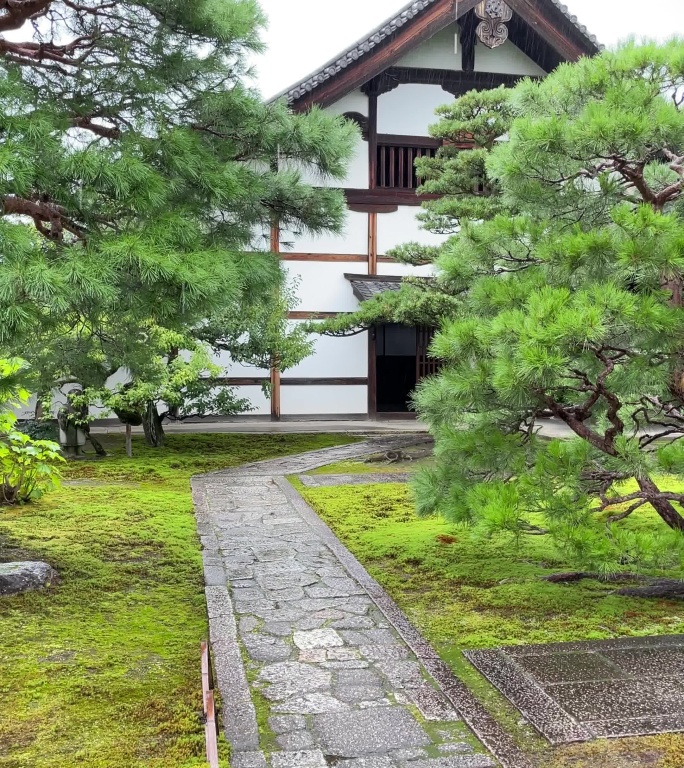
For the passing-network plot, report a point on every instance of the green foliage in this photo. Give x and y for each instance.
(568, 291)
(106, 673)
(28, 467)
(139, 171)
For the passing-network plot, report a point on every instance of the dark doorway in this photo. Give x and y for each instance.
(396, 348)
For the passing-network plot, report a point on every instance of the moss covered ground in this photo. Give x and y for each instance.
(465, 593)
(102, 671)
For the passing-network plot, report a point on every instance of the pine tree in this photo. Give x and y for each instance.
(137, 166)
(569, 302)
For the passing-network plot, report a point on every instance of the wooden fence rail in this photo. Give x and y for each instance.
(210, 723)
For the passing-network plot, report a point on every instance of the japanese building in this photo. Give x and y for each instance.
(390, 83)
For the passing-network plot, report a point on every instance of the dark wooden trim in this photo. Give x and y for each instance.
(297, 382)
(343, 257)
(342, 381)
(397, 140)
(372, 140)
(468, 41)
(313, 315)
(453, 81)
(423, 27)
(553, 26)
(372, 243)
(372, 375)
(386, 197)
(371, 208)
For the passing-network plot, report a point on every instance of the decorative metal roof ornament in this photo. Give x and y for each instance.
(494, 14)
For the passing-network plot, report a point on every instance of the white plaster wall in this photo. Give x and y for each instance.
(342, 400)
(334, 358)
(402, 227)
(507, 58)
(355, 178)
(352, 240)
(439, 52)
(323, 286)
(410, 109)
(255, 395)
(356, 101)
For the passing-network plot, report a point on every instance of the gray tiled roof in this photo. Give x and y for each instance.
(377, 36)
(365, 287)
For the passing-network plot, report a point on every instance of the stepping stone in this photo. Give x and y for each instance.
(286, 723)
(317, 638)
(295, 741)
(248, 760)
(293, 679)
(432, 704)
(266, 648)
(357, 734)
(305, 759)
(311, 704)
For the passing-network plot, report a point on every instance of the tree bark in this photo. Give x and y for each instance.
(663, 507)
(152, 425)
(129, 441)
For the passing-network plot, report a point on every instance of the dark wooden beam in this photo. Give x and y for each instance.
(453, 81)
(372, 375)
(372, 140)
(400, 140)
(423, 27)
(468, 25)
(342, 257)
(386, 197)
(296, 382)
(373, 243)
(370, 208)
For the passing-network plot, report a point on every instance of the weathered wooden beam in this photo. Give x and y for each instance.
(333, 257)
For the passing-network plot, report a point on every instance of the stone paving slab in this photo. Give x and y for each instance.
(344, 677)
(599, 689)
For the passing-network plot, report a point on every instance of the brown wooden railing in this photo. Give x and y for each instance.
(210, 723)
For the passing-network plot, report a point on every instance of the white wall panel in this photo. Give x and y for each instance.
(402, 227)
(334, 358)
(255, 395)
(352, 240)
(410, 109)
(507, 58)
(323, 286)
(356, 101)
(439, 52)
(342, 400)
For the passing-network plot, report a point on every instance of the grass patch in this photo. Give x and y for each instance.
(466, 593)
(103, 670)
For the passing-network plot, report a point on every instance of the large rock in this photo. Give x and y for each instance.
(16, 578)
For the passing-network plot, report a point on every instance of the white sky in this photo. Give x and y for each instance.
(304, 34)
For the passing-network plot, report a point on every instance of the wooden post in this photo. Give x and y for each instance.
(372, 243)
(372, 176)
(275, 370)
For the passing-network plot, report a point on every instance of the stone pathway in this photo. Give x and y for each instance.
(310, 647)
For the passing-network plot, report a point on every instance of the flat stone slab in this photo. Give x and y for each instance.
(371, 731)
(582, 691)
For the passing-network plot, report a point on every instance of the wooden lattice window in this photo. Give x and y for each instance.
(425, 364)
(396, 160)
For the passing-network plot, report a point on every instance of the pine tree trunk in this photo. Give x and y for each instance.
(152, 425)
(662, 506)
(129, 441)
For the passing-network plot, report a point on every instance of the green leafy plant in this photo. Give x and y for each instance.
(28, 468)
